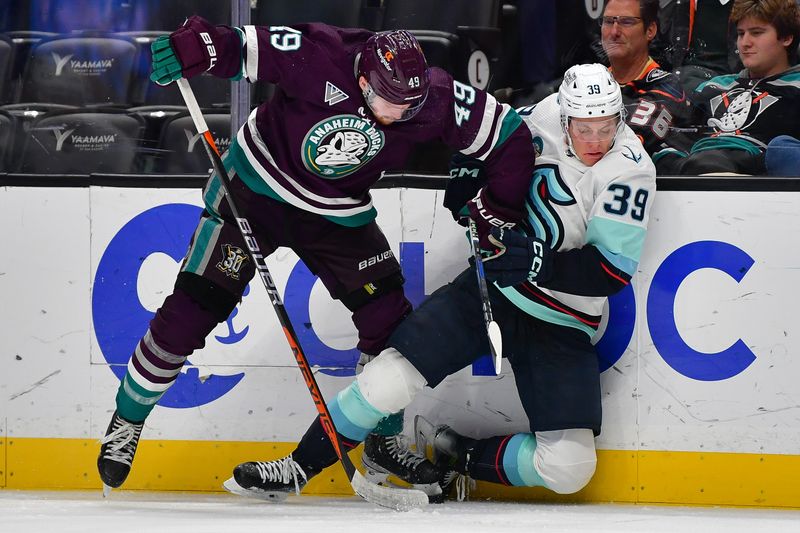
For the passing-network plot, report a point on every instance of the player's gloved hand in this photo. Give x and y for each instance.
(487, 214)
(197, 46)
(467, 176)
(519, 259)
(166, 67)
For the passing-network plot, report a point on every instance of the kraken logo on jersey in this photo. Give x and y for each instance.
(538, 145)
(547, 189)
(739, 107)
(340, 145)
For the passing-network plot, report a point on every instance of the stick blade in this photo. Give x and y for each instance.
(389, 497)
(496, 341)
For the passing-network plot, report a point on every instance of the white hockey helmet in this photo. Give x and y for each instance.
(589, 91)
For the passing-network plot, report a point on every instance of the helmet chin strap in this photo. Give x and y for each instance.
(369, 96)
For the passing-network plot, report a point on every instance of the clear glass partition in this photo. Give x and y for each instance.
(75, 94)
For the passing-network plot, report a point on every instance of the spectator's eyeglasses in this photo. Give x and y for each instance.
(624, 22)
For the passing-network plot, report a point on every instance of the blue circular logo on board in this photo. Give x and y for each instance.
(119, 318)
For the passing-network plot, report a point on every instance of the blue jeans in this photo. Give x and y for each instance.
(783, 156)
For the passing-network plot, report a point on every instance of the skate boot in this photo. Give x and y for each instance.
(450, 452)
(117, 450)
(386, 456)
(270, 480)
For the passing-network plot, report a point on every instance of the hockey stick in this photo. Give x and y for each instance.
(394, 498)
(492, 329)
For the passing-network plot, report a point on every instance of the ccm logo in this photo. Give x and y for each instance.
(212, 52)
(536, 266)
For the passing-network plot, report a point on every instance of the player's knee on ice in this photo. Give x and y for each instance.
(389, 382)
(565, 459)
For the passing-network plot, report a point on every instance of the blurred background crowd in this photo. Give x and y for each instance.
(710, 86)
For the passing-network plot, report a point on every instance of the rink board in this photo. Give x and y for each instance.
(699, 385)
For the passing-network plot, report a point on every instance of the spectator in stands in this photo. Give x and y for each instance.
(654, 100)
(739, 114)
(698, 40)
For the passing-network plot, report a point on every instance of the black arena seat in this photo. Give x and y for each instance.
(343, 13)
(8, 131)
(181, 148)
(82, 141)
(6, 64)
(149, 15)
(460, 36)
(81, 69)
(210, 91)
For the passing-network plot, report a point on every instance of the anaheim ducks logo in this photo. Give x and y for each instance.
(340, 145)
(741, 108)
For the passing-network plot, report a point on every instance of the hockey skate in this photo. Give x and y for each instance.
(387, 459)
(117, 449)
(449, 451)
(270, 480)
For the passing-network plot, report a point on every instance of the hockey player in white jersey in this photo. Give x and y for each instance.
(587, 211)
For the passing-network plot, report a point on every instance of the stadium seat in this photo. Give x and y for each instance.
(157, 15)
(8, 131)
(82, 69)
(23, 42)
(342, 13)
(142, 63)
(24, 115)
(14, 16)
(441, 15)
(65, 16)
(154, 117)
(461, 36)
(440, 47)
(210, 91)
(6, 63)
(181, 148)
(82, 141)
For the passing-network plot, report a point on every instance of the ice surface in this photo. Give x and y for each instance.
(150, 512)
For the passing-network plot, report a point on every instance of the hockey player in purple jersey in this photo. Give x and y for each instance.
(349, 104)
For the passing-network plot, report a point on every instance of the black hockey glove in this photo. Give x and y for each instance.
(519, 259)
(467, 176)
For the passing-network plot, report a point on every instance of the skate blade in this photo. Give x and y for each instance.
(234, 488)
(106, 491)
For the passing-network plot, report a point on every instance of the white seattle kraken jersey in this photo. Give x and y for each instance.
(570, 205)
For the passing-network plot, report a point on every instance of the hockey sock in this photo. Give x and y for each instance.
(506, 460)
(315, 452)
(353, 416)
(390, 426)
(179, 327)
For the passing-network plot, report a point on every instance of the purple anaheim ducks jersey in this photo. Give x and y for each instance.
(658, 110)
(740, 111)
(316, 146)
